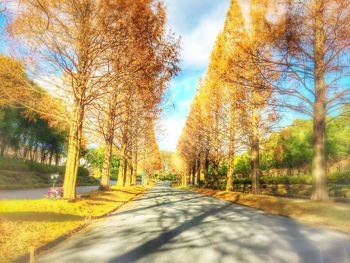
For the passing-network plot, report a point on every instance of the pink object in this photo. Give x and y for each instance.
(55, 192)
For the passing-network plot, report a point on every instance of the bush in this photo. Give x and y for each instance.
(333, 178)
(165, 176)
(243, 180)
(300, 179)
(339, 177)
(42, 168)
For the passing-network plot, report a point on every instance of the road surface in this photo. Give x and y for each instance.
(175, 226)
(39, 193)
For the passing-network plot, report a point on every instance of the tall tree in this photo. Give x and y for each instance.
(71, 53)
(311, 49)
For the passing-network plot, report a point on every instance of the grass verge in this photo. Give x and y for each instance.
(335, 216)
(18, 173)
(26, 223)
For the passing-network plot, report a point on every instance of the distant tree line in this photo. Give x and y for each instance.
(290, 149)
(27, 135)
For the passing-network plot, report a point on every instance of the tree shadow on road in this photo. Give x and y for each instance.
(195, 228)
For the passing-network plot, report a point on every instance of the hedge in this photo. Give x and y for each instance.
(333, 178)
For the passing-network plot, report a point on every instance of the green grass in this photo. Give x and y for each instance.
(20, 174)
(25, 223)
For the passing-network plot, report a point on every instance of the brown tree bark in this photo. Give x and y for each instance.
(206, 172)
(216, 175)
(133, 178)
(198, 172)
(2, 149)
(50, 158)
(194, 174)
(319, 163)
(74, 145)
(106, 168)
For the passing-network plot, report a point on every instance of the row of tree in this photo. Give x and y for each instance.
(280, 55)
(25, 133)
(108, 64)
(289, 150)
(30, 137)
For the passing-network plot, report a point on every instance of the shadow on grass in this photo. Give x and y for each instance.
(39, 217)
(104, 199)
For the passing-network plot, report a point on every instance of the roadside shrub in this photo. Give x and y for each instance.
(165, 176)
(242, 180)
(333, 178)
(342, 177)
(42, 168)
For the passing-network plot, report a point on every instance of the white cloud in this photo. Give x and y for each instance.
(172, 128)
(198, 22)
(198, 44)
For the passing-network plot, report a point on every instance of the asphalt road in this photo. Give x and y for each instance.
(39, 193)
(170, 225)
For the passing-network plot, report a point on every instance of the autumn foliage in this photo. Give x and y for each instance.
(107, 64)
(278, 55)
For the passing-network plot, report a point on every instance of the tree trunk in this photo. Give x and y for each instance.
(31, 155)
(198, 171)
(194, 174)
(50, 158)
(206, 172)
(125, 171)
(2, 149)
(319, 162)
(184, 180)
(42, 156)
(35, 154)
(120, 181)
(188, 179)
(215, 175)
(25, 152)
(73, 155)
(231, 153)
(107, 162)
(129, 175)
(133, 178)
(255, 159)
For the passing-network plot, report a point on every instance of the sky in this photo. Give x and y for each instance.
(197, 22)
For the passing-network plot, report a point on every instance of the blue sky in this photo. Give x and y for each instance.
(197, 22)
